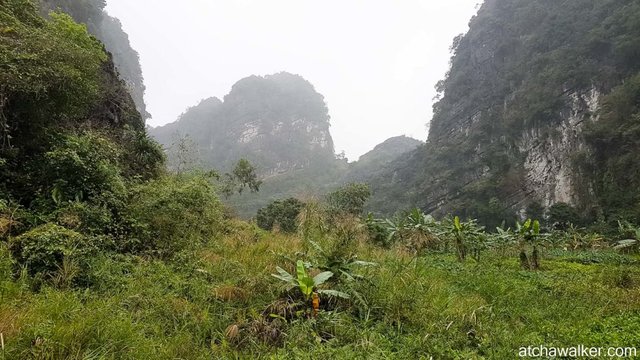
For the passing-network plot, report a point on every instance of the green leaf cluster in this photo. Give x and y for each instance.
(284, 213)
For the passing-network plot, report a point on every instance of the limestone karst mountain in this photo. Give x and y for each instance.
(278, 122)
(530, 115)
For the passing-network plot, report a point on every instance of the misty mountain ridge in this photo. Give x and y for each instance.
(278, 122)
(263, 119)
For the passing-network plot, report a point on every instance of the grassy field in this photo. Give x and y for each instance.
(220, 301)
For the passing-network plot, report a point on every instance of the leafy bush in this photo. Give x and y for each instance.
(44, 249)
(14, 219)
(171, 214)
(243, 176)
(378, 231)
(82, 167)
(284, 213)
(562, 216)
(64, 60)
(89, 218)
(349, 199)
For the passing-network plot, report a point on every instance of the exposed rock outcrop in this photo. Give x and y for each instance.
(550, 172)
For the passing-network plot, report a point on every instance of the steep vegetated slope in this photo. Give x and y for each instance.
(79, 177)
(103, 254)
(57, 85)
(278, 122)
(109, 31)
(382, 156)
(540, 107)
(78, 174)
(315, 183)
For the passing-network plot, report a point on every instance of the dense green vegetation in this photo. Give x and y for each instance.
(374, 162)
(221, 300)
(109, 31)
(280, 213)
(106, 254)
(66, 118)
(614, 164)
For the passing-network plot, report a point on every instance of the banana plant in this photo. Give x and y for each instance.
(396, 230)
(502, 239)
(529, 233)
(458, 234)
(307, 285)
(633, 237)
(469, 238)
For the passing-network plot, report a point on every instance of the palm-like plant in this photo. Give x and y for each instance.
(633, 237)
(458, 235)
(307, 285)
(377, 230)
(502, 239)
(468, 237)
(421, 230)
(340, 264)
(529, 233)
(396, 229)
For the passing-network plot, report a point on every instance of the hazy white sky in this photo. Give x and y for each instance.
(375, 61)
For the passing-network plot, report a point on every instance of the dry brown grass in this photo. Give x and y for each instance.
(9, 322)
(229, 292)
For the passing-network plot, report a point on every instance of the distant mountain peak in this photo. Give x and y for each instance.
(279, 122)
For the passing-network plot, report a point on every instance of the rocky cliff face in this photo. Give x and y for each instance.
(526, 84)
(278, 122)
(549, 168)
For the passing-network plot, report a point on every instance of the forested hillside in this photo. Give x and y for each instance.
(281, 125)
(109, 31)
(380, 157)
(539, 108)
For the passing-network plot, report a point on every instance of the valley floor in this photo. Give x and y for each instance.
(222, 302)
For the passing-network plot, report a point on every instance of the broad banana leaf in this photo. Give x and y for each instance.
(322, 278)
(334, 293)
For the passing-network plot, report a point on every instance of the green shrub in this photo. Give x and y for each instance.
(82, 167)
(87, 218)
(143, 158)
(281, 212)
(378, 231)
(562, 216)
(171, 214)
(349, 199)
(44, 249)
